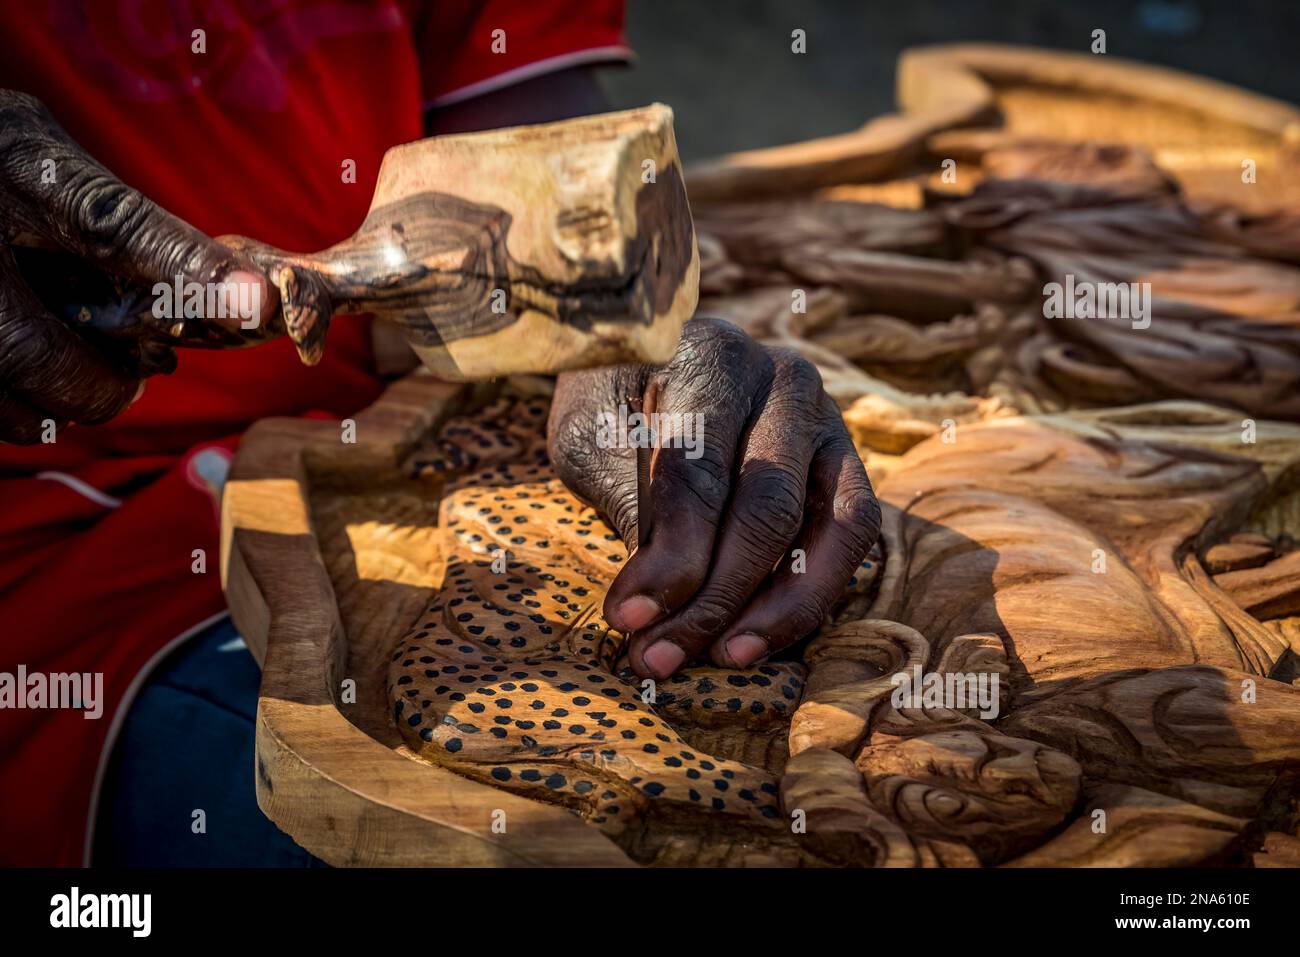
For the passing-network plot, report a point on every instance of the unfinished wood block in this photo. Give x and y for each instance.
(574, 236)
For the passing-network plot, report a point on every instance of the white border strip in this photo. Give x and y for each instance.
(531, 71)
(119, 718)
(81, 488)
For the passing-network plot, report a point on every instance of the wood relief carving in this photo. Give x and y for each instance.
(1091, 521)
(511, 675)
(1135, 676)
(1058, 513)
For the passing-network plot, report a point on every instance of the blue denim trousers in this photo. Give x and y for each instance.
(179, 788)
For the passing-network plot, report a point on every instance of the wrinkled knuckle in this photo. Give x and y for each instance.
(688, 570)
(592, 482)
(91, 395)
(106, 404)
(829, 425)
(708, 617)
(731, 588)
(795, 393)
(590, 472)
(560, 436)
(713, 346)
(771, 509)
(571, 446)
(809, 614)
(712, 329)
(12, 316)
(858, 511)
(105, 214)
(20, 424)
(813, 615)
(24, 146)
(26, 346)
(19, 100)
(797, 373)
(20, 112)
(706, 480)
(622, 511)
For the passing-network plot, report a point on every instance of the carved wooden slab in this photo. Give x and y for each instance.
(509, 675)
(514, 681)
(1087, 570)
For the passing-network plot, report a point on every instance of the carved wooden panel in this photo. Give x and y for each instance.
(1100, 512)
(1142, 672)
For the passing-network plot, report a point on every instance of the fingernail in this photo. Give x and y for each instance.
(638, 612)
(245, 296)
(746, 649)
(138, 392)
(663, 658)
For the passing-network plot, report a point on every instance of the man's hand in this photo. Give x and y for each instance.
(51, 189)
(777, 472)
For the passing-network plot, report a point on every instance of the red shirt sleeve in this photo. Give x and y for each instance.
(469, 49)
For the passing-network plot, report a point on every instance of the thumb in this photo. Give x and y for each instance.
(88, 211)
(129, 235)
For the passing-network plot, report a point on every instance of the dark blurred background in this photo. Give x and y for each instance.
(726, 68)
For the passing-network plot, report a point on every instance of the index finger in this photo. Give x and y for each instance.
(843, 523)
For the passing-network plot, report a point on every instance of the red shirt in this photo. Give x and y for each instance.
(98, 530)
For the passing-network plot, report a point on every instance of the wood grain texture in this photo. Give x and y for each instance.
(1270, 590)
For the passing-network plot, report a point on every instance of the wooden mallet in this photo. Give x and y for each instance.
(533, 249)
